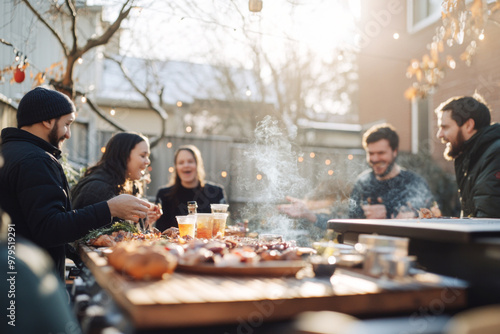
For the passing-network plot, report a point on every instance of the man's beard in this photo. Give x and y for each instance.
(389, 168)
(53, 137)
(452, 151)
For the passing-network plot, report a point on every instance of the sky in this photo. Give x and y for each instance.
(288, 33)
(179, 30)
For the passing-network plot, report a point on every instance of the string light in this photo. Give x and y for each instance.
(395, 35)
(350, 157)
(223, 174)
(189, 129)
(169, 144)
(248, 92)
(481, 36)
(112, 112)
(103, 149)
(328, 162)
(312, 155)
(451, 62)
(171, 169)
(330, 172)
(179, 104)
(84, 99)
(301, 159)
(255, 6)
(259, 177)
(80, 60)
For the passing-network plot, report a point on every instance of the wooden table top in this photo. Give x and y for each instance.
(187, 300)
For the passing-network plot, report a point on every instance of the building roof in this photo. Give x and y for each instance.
(182, 81)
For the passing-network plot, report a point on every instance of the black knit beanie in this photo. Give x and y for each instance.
(42, 104)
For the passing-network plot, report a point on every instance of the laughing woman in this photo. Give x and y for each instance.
(187, 183)
(118, 172)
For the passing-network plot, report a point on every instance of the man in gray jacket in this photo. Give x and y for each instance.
(474, 145)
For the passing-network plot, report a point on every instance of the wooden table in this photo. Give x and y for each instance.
(188, 300)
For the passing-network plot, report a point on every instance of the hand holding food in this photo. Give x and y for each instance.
(375, 211)
(154, 213)
(297, 209)
(128, 207)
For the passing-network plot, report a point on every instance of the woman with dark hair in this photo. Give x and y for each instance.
(187, 183)
(119, 171)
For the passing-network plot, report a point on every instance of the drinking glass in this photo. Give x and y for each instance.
(204, 225)
(186, 225)
(219, 225)
(219, 208)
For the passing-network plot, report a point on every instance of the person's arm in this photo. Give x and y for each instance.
(417, 196)
(45, 205)
(297, 209)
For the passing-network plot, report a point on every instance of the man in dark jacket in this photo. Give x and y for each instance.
(474, 144)
(33, 187)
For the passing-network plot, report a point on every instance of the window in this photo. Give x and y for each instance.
(422, 13)
(77, 146)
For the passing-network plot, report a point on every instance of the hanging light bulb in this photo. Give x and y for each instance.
(84, 99)
(255, 5)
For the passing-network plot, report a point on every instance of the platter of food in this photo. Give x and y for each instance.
(269, 269)
(151, 256)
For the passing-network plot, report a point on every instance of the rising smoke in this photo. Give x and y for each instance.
(275, 160)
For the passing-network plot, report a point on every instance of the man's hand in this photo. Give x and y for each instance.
(402, 214)
(375, 211)
(297, 209)
(128, 207)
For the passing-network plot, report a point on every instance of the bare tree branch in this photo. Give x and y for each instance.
(60, 87)
(72, 11)
(112, 29)
(102, 114)
(158, 109)
(55, 33)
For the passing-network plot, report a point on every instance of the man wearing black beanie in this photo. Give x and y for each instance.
(33, 187)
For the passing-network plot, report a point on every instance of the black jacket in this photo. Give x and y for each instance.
(176, 204)
(477, 170)
(34, 192)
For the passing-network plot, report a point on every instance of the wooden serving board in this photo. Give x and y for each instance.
(187, 300)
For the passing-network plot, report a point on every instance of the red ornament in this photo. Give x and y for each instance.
(19, 75)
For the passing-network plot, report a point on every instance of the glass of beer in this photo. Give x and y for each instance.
(186, 225)
(219, 225)
(204, 225)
